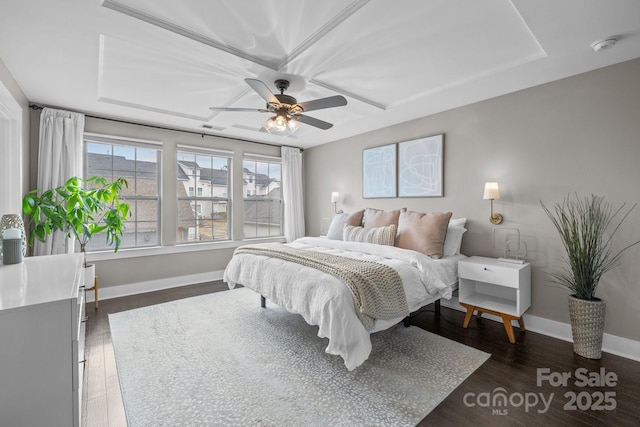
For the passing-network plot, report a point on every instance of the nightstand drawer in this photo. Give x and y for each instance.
(490, 273)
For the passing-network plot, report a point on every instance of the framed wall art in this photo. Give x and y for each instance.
(420, 167)
(379, 172)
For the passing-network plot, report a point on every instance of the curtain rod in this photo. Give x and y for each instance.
(36, 107)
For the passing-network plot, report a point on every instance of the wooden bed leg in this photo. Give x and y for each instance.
(437, 306)
(263, 302)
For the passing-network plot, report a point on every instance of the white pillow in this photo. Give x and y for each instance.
(453, 240)
(458, 222)
(337, 225)
(385, 235)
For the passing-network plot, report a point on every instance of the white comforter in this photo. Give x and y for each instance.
(325, 301)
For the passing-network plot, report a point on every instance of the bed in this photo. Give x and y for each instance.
(323, 299)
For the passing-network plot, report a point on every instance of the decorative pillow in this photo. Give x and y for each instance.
(337, 224)
(355, 218)
(458, 222)
(423, 232)
(378, 235)
(380, 218)
(453, 240)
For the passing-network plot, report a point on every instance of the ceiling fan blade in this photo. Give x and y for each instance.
(255, 110)
(313, 122)
(262, 90)
(319, 104)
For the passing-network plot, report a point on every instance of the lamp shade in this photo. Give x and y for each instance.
(491, 191)
(334, 197)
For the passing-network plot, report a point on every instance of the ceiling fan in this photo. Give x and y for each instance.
(287, 110)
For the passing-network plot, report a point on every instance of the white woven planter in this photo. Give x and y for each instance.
(587, 326)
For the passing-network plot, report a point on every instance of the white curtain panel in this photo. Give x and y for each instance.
(292, 193)
(59, 158)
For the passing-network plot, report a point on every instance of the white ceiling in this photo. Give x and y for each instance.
(165, 62)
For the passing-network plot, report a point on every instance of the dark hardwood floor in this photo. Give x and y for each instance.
(516, 367)
(101, 399)
(476, 402)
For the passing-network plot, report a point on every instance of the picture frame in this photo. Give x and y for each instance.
(421, 167)
(379, 167)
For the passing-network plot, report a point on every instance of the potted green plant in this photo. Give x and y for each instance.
(80, 208)
(587, 227)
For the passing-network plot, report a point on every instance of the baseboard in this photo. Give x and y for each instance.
(154, 285)
(613, 344)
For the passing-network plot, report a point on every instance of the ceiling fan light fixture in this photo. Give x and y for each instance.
(293, 124)
(286, 108)
(269, 124)
(281, 124)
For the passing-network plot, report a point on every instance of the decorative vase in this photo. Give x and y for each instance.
(89, 273)
(14, 221)
(587, 326)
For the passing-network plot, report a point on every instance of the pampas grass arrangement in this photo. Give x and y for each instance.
(587, 226)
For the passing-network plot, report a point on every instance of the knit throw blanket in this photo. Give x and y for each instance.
(376, 288)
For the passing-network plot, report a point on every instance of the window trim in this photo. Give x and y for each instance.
(260, 157)
(270, 159)
(206, 151)
(203, 151)
(107, 255)
(119, 140)
(137, 143)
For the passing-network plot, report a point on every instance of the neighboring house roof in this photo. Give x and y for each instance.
(182, 175)
(260, 178)
(219, 176)
(214, 176)
(104, 164)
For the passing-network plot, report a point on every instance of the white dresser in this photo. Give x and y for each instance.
(41, 341)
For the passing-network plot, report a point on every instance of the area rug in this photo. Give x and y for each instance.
(220, 359)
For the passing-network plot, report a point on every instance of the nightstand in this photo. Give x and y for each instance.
(487, 285)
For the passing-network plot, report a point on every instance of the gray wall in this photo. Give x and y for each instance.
(580, 134)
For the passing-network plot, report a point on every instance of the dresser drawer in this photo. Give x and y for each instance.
(504, 275)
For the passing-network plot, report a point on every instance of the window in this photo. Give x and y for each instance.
(204, 216)
(137, 162)
(262, 178)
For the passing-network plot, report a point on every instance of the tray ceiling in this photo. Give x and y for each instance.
(166, 62)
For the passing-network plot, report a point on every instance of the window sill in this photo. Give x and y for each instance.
(177, 249)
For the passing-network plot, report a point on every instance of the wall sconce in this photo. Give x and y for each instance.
(335, 196)
(491, 192)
